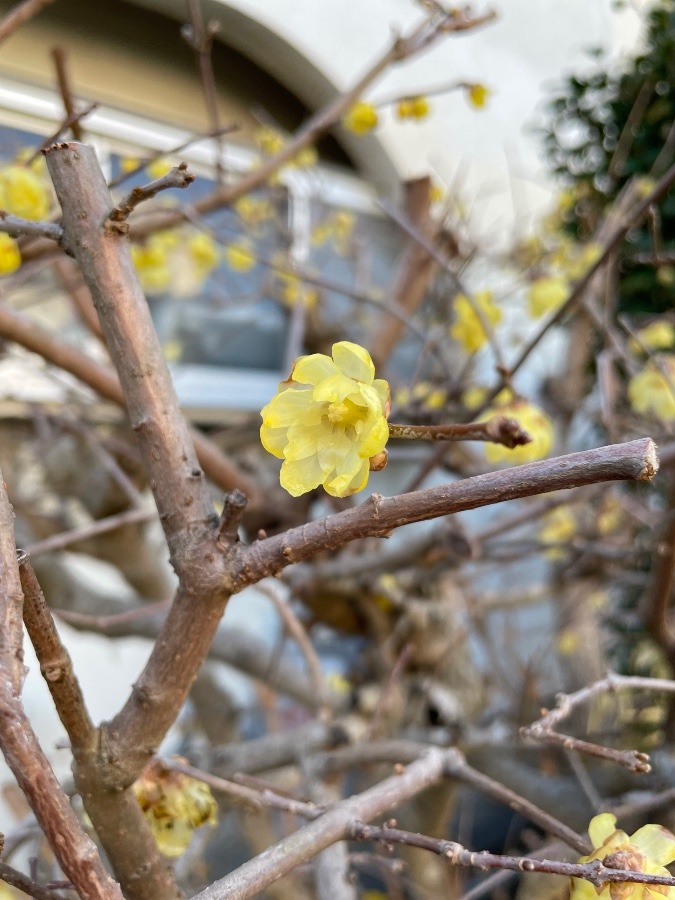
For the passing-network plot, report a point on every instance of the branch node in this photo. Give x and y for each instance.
(230, 518)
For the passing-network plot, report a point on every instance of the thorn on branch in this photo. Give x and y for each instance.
(178, 177)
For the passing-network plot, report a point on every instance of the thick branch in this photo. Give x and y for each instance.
(378, 516)
(76, 853)
(55, 663)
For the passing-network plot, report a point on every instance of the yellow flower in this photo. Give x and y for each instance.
(306, 158)
(650, 392)
(467, 327)
(547, 295)
(129, 163)
(649, 850)
(254, 210)
(580, 257)
(610, 515)
(240, 256)
(436, 192)
(158, 168)
(360, 118)
(10, 257)
(413, 108)
(270, 141)
(23, 193)
(152, 261)
(658, 335)
(338, 684)
(172, 350)
(558, 526)
(534, 421)
(327, 421)
(477, 95)
(203, 252)
(174, 805)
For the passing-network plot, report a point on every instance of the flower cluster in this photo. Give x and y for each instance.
(413, 108)
(174, 805)
(546, 295)
(360, 118)
(328, 422)
(649, 850)
(467, 327)
(176, 260)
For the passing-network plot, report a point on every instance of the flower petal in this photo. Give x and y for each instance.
(304, 440)
(600, 828)
(302, 475)
(274, 440)
(373, 441)
(336, 389)
(354, 361)
(313, 369)
(656, 842)
(339, 483)
(291, 406)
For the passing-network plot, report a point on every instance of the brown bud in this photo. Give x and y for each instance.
(378, 462)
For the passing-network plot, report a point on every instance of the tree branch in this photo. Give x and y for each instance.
(178, 177)
(378, 516)
(20, 14)
(17, 227)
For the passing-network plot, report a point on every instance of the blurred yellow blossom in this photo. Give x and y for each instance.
(467, 328)
(578, 258)
(295, 291)
(10, 257)
(338, 684)
(270, 140)
(23, 193)
(651, 392)
(360, 118)
(37, 165)
(658, 335)
(151, 259)
(254, 210)
(204, 252)
(665, 275)
(172, 350)
(240, 256)
(306, 158)
(610, 515)
(567, 642)
(129, 163)
(338, 228)
(174, 805)
(327, 421)
(558, 526)
(477, 95)
(412, 108)
(650, 849)
(158, 168)
(547, 295)
(531, 419)
(436, 192)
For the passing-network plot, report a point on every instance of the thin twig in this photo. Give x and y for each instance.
(178, 177)
(20, 14)
(497, 430)
(32, 888)
(18, 227)
(59, 57)
(101, 526)
(595, 871)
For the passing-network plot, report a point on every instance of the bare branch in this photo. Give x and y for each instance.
(496, 430)
(595, 871)
(101, 526)
(18, 227)
(178, 177)
(17, 879)
(378, 516)
(20, 14)
(542, 729)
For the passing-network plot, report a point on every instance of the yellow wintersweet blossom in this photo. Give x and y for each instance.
(270, 140)
(174, 805)
(360, 118)
(337, 228)
(546, 295)
(579, 258)
(610, 516)
(413, 108)
(204, 252)
(558, 526)
(254, 210)
(327, 422)
(477, 95)
(240, 256)
(658, 335)
(649, 850)
(23, 193)
(158, 168)
(294, 291)
(10, 257)
(467, 327)
(531, 419)
(651, 392)
(152, 261)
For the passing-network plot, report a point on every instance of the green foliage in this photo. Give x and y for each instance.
(604, 128)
